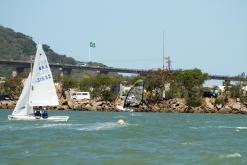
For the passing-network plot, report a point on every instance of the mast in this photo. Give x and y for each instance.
(30, 85)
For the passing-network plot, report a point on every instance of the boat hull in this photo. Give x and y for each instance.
(30, 117)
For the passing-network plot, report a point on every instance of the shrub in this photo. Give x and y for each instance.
(108, 95)
(219, 101)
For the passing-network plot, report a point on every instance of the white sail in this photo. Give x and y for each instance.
(22, 107)
(43, 92)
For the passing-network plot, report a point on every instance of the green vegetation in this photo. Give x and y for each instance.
(101, 86)
(12, 86)
(154, 84)
(182, 83)
(191, 82)
(220, 101)
(185, 84)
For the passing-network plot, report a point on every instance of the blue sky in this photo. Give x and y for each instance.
(207, 34)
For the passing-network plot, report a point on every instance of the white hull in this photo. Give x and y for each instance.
(31, 117)
(121, 108)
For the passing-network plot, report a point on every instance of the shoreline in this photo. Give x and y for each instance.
(233, 106)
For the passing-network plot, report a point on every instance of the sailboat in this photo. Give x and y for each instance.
(134, 97)
(38, 90)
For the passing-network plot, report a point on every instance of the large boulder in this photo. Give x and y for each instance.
(236, 106)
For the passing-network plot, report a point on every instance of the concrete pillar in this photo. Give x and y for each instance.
(61, 72)
(67, 71)
(14, 73)
(17, 71)
(104, 72)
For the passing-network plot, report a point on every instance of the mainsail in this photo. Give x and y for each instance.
(22, 107)
(43, 91)
(134, 97)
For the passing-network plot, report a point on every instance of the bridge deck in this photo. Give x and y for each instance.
(26, 64)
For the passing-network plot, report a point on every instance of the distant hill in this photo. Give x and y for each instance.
(18, 46)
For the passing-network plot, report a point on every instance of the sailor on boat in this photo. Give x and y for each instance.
(44, 114)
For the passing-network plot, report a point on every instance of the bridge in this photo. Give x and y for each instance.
(67, 68)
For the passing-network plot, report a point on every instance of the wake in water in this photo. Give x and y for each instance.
(234, 155)
(100, 126)
(80, 127)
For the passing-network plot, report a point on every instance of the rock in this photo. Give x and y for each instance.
(77, 106)
(219, 106)
(197, 109)
(243, 110)
(238, 99)
(70, 104)
(236, 106)
(225, 110)
(63, 107)
(208, 103)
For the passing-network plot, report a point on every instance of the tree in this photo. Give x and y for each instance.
(191, 82)
(13, 85)
(68, 82)
(101, 86)
(154, 84)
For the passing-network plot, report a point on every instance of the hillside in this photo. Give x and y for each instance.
(18, 46)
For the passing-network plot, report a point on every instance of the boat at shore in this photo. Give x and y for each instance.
(39, 91)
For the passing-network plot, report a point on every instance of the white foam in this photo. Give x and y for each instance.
(187, 143)
(219, 127)
(53, 125)
(81, 127)
(136, 114)
(234, 155)
(100, 126)
(228, 127)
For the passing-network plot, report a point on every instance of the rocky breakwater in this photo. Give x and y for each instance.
(171, 105)
(233, 106)
(209, 105)
(7, 104)
(85, 105)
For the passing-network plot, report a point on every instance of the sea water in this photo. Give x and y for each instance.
(146, 138)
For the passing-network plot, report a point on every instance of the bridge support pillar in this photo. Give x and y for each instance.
(65, 71)
(103, 72)
(17, 71)
(61, 72)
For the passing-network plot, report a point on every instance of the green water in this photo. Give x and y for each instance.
(148, 138)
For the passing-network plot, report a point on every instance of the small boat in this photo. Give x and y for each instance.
(134, 97)
(39, 90)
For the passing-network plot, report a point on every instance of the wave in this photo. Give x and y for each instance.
(220, 127)
(189, 143)
(234, 155)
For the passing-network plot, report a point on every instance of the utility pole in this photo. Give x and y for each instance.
(163, 46)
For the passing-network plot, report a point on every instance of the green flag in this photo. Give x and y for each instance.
(92, 45)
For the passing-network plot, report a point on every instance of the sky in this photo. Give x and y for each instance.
(207, 34)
